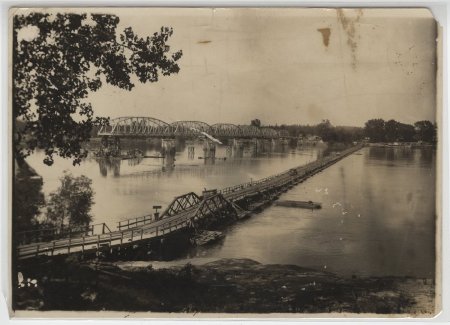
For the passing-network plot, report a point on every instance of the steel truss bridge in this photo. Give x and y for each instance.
(151, 127)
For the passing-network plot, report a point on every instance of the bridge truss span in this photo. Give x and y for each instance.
(267, 132)
(147, 127)
(226, 130)
(189, 128)
(132, 126)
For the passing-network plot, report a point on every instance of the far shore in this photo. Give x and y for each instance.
(402, 144)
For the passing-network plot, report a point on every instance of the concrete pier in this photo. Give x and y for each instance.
(209, 151)
(168, 150)
(190, 149)
(238, 148)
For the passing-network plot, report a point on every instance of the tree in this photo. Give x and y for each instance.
(406, 132)
(58, 59)
(391, 129)
(71, 203)
(256, 122)
(326, 131)
(28, 198)
(425, 131)
(375, 130)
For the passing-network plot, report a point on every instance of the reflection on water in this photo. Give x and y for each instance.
(112, 165)
(401, 156)
(377, 218)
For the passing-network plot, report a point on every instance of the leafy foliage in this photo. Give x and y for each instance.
(28, 198)
(71, 202)
(256, 122)
(375, 130)
(379, 130)
(59, 59)
(425, 131)
(325, 130)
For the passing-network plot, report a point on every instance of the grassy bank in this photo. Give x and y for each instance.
(227, 285)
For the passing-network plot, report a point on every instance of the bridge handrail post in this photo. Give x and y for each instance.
(82, 245)
(53, 247)
(132, 232)
(37, 250)
(68, 247)
(142, 233)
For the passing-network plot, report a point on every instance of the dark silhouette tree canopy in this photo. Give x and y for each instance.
(379, 130)
(256, 122)
(375, 129)
(71, 203)
(68, 56)
(426, 131)
(28, 198)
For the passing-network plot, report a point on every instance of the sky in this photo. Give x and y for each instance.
(285, 66)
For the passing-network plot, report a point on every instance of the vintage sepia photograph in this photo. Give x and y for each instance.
(231, 161)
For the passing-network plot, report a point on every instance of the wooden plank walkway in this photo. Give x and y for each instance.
(169, 224)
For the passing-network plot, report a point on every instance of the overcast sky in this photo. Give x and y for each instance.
(278, 65)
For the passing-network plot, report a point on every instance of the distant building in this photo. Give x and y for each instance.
(309, 139)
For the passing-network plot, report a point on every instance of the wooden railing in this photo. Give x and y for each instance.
(97, 242)
(47, 234)
(135, 222)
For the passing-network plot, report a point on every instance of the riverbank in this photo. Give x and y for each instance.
(402, 144)
(226, 285)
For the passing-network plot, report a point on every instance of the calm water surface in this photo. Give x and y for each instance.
(377, 216)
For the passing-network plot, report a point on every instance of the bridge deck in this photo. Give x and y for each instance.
(169, 224)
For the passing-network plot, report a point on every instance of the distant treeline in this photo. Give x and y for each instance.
(378, 130)
(375, 130)
(325, 130)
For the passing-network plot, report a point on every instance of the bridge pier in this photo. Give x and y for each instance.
(209, 152)
(274, 144)
(110, 146)
(284, 144)
(168, 150)
(190, 149)
(258, 146)
(238, 148)
(266, 145)
(229, 151)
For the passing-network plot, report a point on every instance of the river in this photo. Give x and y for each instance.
(377, 217)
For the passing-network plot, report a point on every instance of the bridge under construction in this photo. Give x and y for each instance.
(188, 214)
